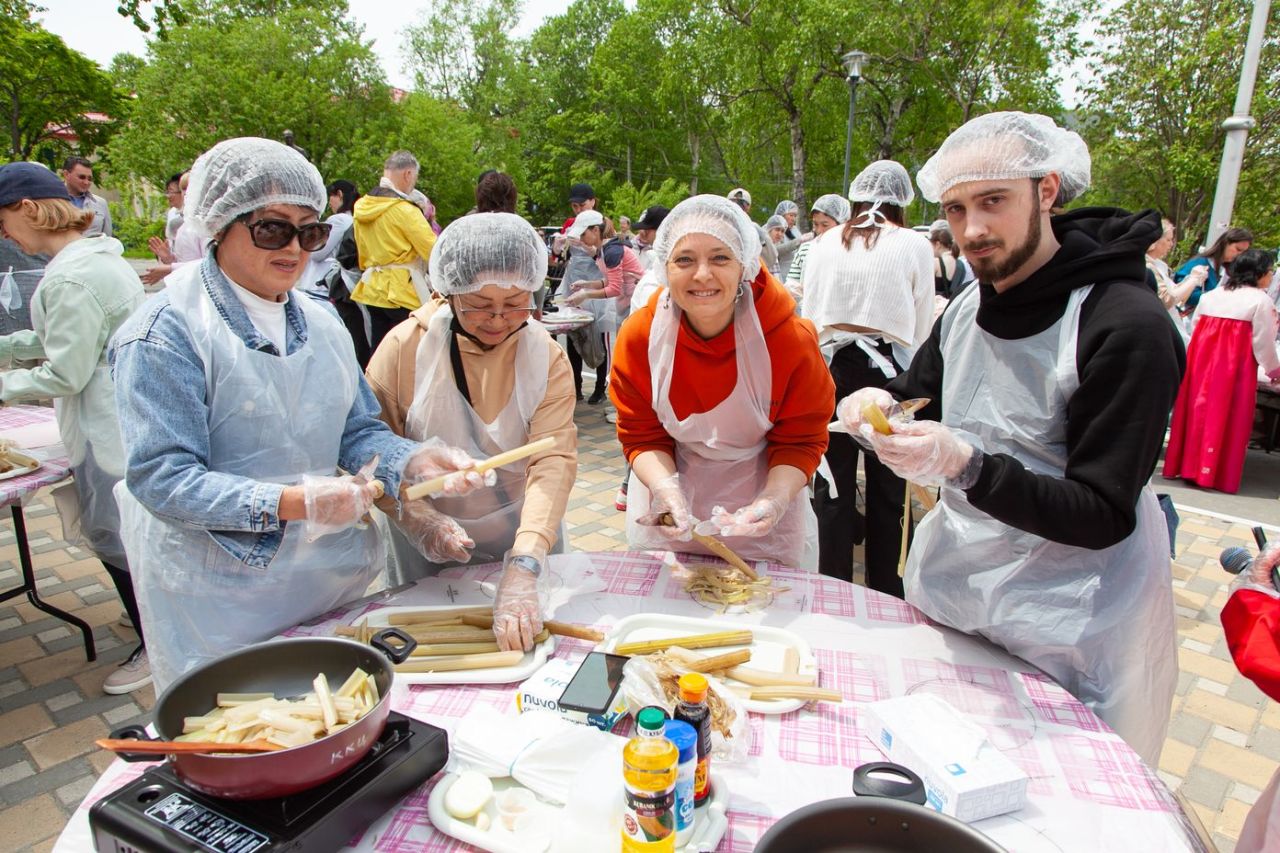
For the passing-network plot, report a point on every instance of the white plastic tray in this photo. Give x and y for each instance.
(528, 665)
(709, 827)
(768, 649)
(29, 464)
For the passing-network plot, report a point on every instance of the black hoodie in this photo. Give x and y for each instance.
(1130, 361)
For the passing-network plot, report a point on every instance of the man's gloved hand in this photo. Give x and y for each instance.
(757, 518)
(849, 411)
(437, 537)
(436, 459)
(517, 612)
(666, 497)
(336, 503)
(927, 453)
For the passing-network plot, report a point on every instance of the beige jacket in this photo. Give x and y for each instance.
(490, 378)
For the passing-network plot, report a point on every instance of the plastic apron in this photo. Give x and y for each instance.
(490, 516)
(721, 454)
(1100, 623)
(271, 418)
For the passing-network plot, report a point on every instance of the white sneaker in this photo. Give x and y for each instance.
(133, 674)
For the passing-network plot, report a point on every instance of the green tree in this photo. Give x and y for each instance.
(1153, 116)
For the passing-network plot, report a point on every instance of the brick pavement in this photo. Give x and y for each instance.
(1224, 741)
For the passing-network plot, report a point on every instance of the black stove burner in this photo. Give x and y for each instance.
(157, 812)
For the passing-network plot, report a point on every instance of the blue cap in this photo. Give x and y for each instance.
(22, 180)
(684, 736)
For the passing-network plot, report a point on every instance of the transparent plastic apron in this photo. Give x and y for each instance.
(721, 455)
(1100, 623)
(273, 419)
(490, 516)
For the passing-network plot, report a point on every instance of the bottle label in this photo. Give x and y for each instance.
(649, 820)
(702, 779)
(685, 780)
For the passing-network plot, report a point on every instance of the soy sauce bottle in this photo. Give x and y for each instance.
(692, 709)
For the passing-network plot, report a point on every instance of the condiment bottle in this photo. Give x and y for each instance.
(692, 709)
(649, 765)
(686, 740)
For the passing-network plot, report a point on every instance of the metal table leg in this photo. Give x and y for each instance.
(29, 585)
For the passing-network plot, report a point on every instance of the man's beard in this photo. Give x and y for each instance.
(991, 270)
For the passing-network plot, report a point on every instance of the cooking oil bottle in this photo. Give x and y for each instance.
(649, 763)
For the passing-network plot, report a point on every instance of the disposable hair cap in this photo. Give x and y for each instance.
(785, 207)
(1001, 146)
(775, 221)
(487, 248)
(884, 181)
(239, 176)
(834, 205)
(716, 217)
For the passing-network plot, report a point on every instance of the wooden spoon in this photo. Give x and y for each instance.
(175, 747)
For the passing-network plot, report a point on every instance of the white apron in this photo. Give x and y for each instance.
(271, 418)
(1100, 623)
(721, 455)
(490, 516)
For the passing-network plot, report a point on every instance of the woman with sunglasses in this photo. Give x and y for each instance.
(471, 368)
(239, 402)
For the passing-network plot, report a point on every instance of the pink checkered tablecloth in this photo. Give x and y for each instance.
(54, 463)
(1088, 791)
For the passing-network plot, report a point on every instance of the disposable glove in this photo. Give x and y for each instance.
(436, 459)
(336, 503)
(437, 537)
(850, 409)
(757, 518)
(926, 453)
(666, 497)
(517, 613)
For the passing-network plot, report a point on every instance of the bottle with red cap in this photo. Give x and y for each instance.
(692, 709)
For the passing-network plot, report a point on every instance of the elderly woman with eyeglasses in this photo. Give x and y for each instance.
(474, 368)
(240, 406)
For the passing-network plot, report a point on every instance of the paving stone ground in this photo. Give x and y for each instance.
(1223, 746)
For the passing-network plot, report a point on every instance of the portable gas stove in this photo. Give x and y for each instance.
(157, 812)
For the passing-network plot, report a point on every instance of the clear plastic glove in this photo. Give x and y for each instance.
(850, 409)
(923, 452)
(667, 497)
(755, 519)
(437, 536)
(436, 459)
(336, 503)
(576, 298)
(517, 612)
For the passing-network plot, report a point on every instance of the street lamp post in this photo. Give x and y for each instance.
(853, 66)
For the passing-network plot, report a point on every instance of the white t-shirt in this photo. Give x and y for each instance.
(267, 316)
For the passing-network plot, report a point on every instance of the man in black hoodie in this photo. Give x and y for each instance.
(1051, 382)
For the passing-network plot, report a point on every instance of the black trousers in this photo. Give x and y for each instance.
(575, 362)
(383, 320)
(354, 321)
(839, 525)
(124, 588)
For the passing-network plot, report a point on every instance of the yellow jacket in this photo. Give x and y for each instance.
(391, 231)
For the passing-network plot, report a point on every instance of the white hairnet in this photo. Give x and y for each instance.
(239, 176)
(714, 216)
(885, 181)
(937, 226)
(487, 248)
(785, 207)
(775, 221)
(834, 205)
(999, 146)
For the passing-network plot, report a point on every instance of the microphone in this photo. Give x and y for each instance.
(1237, 560)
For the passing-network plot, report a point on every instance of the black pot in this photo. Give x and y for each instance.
(872, 825)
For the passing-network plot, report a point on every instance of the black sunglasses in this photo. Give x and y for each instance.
(277, 233)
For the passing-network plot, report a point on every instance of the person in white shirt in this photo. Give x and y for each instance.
(868, 289)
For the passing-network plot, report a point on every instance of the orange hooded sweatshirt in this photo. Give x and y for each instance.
(706, 371)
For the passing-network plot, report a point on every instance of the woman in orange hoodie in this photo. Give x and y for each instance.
(722, 396)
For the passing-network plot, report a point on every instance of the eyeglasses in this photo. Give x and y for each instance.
(277, 233)
(509, 314)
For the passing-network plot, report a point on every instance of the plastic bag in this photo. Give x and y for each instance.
(642, 687)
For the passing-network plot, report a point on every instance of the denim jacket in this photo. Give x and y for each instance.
(160, 394)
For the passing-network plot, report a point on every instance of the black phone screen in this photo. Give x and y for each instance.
(594, 684)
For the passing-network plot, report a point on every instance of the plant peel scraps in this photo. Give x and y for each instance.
(722, 587)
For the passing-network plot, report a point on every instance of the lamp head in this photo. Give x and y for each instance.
(852, 62)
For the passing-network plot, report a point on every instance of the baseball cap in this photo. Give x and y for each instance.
(651, 218)
(23, 180)
(579, 193)
(739, 194)
(585, 220)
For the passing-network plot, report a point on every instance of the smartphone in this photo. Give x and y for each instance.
(593, 686)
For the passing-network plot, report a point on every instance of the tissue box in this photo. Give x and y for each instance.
(964, 775)
(545, 686)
